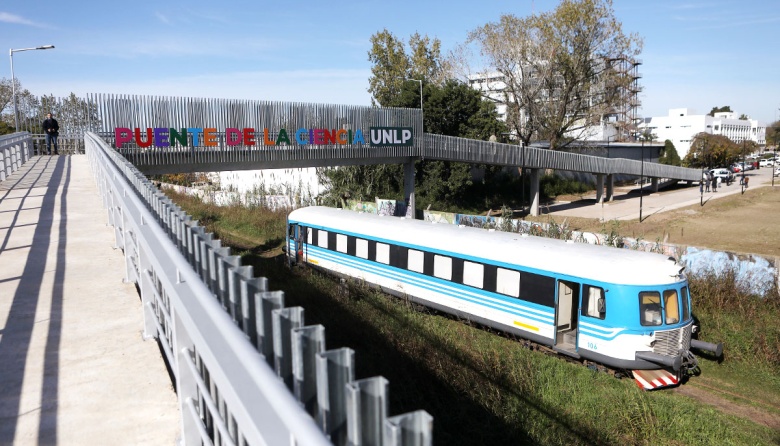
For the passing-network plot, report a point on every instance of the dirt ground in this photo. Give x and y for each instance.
(746, 223)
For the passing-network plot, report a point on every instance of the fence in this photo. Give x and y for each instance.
(15, 150)
(247, 369)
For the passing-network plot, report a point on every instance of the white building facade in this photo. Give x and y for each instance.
(681, 125)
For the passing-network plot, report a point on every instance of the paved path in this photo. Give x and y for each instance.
(625, 206)
(74, 369)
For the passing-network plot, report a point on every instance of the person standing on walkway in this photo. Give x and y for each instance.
(51, 128)
(707, 182)
(715, 183)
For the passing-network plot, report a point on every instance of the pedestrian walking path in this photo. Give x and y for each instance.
(626, 205)
(74, 369)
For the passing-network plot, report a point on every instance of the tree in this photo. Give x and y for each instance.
(711, 151)
(773, 134)
(669, 155)
(744, 117)
(725, 108)
(392, 67)
(558, 70)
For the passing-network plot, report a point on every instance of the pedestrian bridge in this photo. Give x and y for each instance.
(176, 135)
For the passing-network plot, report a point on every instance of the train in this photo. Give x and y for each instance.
(627, 310)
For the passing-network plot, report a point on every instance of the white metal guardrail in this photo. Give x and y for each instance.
(15, 150)
(247, 369)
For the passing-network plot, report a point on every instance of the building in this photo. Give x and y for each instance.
(683, 124)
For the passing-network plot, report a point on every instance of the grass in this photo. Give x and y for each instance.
(486, 388)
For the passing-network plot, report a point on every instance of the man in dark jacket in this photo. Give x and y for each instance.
(51, 129)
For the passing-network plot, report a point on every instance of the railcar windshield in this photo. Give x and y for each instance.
(650, 308)
(656, 308)
(671, 306)
(686, 311)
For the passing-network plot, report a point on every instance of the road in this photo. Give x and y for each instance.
(627, 200)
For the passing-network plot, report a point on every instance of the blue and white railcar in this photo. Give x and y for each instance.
(624, 309)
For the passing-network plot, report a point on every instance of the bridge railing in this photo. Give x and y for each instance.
(247, 369)
(15, 150)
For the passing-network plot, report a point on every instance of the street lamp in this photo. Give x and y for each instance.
(13, 78)
(642, 179)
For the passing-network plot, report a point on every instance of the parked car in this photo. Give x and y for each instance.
(738, 167)
(724, 174)
(777, 172)
(765, 162)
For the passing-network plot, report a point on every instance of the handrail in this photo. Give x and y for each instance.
(15, 150)
(223, 337)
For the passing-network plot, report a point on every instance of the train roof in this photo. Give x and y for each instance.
(598, 263)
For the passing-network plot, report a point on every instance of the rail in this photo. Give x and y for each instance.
(247, 369)
(15, 150)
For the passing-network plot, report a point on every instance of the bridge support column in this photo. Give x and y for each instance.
(534, 193)
(599, 188)
(409, 188)
(654, 184)
(610, 187)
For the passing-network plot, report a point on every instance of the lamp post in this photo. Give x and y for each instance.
(13, 78)
(743, 166)
(642, 179)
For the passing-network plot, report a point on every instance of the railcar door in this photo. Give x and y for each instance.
(297, 236)
(566, 309)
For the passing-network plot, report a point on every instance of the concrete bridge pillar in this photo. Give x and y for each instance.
(409, 187)
(599, 188)
(534, 185)
(654, 184)
(610, 187)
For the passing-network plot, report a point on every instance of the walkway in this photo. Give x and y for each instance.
(74, 369)
(625, 206)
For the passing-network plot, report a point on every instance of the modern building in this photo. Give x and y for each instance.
(683, 124)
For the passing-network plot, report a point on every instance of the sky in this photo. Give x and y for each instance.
(696, 55)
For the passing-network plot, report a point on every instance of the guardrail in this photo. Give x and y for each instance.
(15, 150)
(247, 369)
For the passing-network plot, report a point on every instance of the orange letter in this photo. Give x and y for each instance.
(209, 136)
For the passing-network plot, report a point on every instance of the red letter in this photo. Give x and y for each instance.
(141, 142)
(122, 135)
(249, 137)
(232, 136)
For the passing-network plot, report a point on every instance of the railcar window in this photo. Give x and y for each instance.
(650, 308)
(361, 248)
(416, 261)
(322, 241)
(686, 313)
(473, 274)
(310, 234)
(383, 253)
(508, 282)
(341, 243)
(593, 302)
(537, 289)
(442, 267)
(671, 306)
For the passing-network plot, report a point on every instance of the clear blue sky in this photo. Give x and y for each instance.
(697, 54)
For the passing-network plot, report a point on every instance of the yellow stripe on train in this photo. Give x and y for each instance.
(526, 326)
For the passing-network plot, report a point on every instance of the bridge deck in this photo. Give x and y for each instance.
(73, 366)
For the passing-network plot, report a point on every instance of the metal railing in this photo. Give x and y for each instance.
(247, 369)
(15, 150)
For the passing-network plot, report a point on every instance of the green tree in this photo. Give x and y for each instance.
(669, 155)
(773, 134)
(712, 151)
(744, 117)
(725, 108)
(560, 71)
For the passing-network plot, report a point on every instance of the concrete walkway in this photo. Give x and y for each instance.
(626, 203)
(74, 369)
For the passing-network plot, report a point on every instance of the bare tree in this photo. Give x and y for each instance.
(557, 71)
